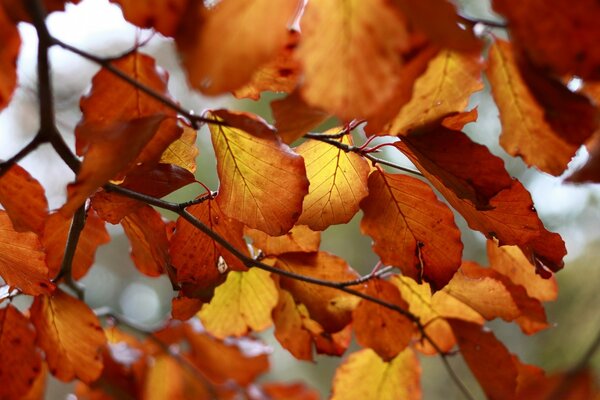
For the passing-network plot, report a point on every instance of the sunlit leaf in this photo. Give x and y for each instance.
(242, 303)
(70, 335)
(10, 42)
(162, 15)
(338, 182)
(293, 117)
(262, 181)
(290, 391)
(289, 329)
(366, 376)
(411, 228)
(356, 72)
(168, 379)
(183, 151)
(300, 239)
(184, 308)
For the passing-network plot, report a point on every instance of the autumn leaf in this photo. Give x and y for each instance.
(168, 379)
(590, 172)
(262, 181)
(10, 42)
(70, 335)
(149, 245)
(21, 362)
(294, 118)
(366, 376)
(525, 132)
(54, 239)
(199, 260)
(289, 391)
(162, 15)
(242, 303)
(329, 307)
(24, 200)
(300, 239)
(444, 89)
(289, 329)
(22, 260)
(385, 331)
(411, 228)
(183, 151)
(216, 67)
(184, 308)
(338, 182)
(356, 73)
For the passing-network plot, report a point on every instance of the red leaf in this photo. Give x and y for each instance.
(10, 42)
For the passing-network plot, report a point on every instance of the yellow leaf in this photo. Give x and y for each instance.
(183, 151)
(243, 302)
(338, 182)
(366, 376)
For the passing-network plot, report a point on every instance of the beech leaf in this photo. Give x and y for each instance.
(294, 118)
(300, 239)
(10, 42)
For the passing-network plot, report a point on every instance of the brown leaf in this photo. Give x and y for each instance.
(411, 228)
(385, 331)
(294, 117)
(300, 239)
(262, 181)
(54, 239)
(70, 335)
(148, 237)
(21, 362)
(10, 42)
(22, 260)
(590, 172)
(24, 200)
(329, 307)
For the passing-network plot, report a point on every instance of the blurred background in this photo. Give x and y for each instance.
(98, 27)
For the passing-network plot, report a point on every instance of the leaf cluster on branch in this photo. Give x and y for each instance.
(246, 256)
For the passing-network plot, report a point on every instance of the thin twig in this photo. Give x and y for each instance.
(66, 268)
(31, 146)
(461, 386)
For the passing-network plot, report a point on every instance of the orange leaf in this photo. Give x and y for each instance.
(183, 151)
(54, 239)
(199, 260)
(511, 262)
(162, 15)
(590, 172)
(366, 376)
(411, 228)
(21, 362)
(356, 72)
(22, 260)
(111, 148)
(525, 131)
(148, 237)
(159, 181)
(10, 42)
(338, 182)
(289, 391)
(444, 89)
(240, 360)
(168, 379)
(385, 331)
(329, 307)
(217, 66)
(279, 75)
(24, 200)
(184, 308)
(262, 181)
(70, 335)
(299, 239)
(562, 38)
(293, 117)
(289, 330)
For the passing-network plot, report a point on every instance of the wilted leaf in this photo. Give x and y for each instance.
(525, 131)
(299, 239)
(411, 228)
(242, 303)
(293, 117)
(356, 72)
(54, 239)
(262, 181)
(366, 376)
(338, 182)
(24, 200)
(10, 42)
(22, 260)
(21, 362)
(148, 237)
(329, 307)
(217, 66)
(444, 89)
(196, 256)
(385, 331)
(70, 335)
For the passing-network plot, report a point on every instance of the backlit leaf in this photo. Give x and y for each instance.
(10, 42)
(54, 239)
(22, 260)
(289, 329)
(293, 117)
(21, 362)
(356, 72)
(183, 151)
(385, 331)
(366, 376)
(411, 228)
(338, 182)
(217, 66)
(162, 15)
(168, 379)
(242, 303)
(300, 239)
(262, 181)
(24, 200)
(70, 335)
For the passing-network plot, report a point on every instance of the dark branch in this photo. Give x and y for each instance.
(66, 268)
(31, 146)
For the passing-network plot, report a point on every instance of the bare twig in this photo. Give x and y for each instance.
(66, 268)
(31, 146)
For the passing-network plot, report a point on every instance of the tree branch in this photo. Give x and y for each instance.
(31, 146)
(66, 268)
